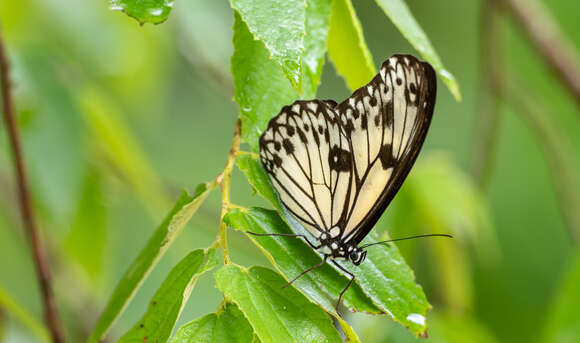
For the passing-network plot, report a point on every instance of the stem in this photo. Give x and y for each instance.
(28, 218)
(488, 120)
(545, 34)
(224, 179)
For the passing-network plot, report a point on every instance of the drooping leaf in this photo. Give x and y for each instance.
(158, 244)
(277, 315)
(279, 25)
(164, 309)
(144, 11)
(228, 325)
(400, 15)
(563, 324)
(260, 88)
(293, 256)
(315, 44)
(347, 47)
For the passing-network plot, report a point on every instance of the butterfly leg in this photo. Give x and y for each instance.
(306, 271)
(352, 278)
(286, 235)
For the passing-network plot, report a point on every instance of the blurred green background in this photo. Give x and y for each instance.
(117, 118)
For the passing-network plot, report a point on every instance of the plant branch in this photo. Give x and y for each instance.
(488, 120)
(545, 34)
(556, 148)
(224, 179)
(28, 217)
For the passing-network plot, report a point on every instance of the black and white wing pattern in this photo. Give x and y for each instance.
(338, 166)
(307, 155)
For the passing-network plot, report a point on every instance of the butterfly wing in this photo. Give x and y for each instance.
(385, 122)
(340, 165)
(307, 156)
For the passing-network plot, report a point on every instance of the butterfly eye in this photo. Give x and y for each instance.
(353, 256)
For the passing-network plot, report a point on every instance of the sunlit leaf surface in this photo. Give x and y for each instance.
(260, 87)
(280, 26)
(315, 44)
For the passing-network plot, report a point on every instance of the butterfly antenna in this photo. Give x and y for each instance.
(405, 238)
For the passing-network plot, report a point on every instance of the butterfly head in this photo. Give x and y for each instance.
(356, 255)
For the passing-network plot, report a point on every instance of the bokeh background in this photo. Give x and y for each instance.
(117, 118)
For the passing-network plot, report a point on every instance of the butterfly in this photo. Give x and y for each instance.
(336, 167)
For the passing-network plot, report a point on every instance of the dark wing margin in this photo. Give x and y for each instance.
(425, 99)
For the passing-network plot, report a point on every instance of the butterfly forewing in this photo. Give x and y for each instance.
(341, 165)
(394, 112)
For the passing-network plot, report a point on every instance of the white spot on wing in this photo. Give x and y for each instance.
(313, 106)
(334, 232)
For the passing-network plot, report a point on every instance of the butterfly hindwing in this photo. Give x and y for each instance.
(306, 154)
(340, 165)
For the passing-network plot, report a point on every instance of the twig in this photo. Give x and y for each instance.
(556, 149)
(39, 255)
(545, 34)
(488, 120)
(225, 179)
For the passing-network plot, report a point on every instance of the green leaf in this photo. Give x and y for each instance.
(164, 309)
(563, 324)
(390, 283)
(12, 307)
(260, 88)
(144, 11)
(347, 47)
(384, 277)
(277, 315)
(158, 244)
(291, 256)
(280, 26)
(258, 179)
(315, 44)
(400, 15)
(228, 325)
